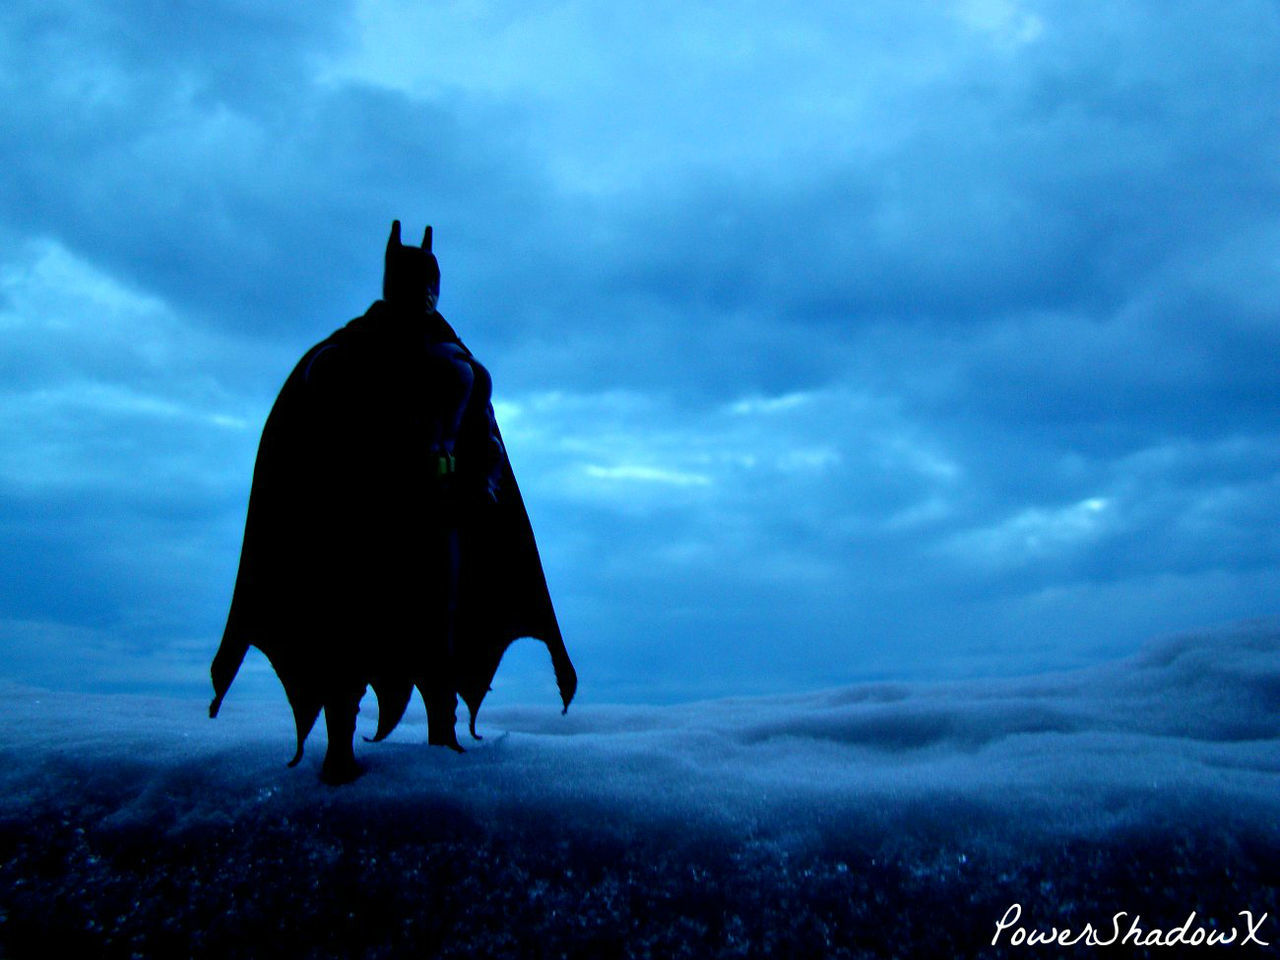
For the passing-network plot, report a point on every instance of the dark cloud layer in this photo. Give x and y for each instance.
(845, 342)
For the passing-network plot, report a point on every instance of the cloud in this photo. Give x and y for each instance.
(121, 455)
(1033, 533)
(829, 322)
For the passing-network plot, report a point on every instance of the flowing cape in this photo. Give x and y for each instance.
(354, 552)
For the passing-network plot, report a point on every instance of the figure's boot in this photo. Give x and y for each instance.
(340, 759)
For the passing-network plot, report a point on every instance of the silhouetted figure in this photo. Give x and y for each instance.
(386, 544)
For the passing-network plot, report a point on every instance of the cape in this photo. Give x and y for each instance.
(361, 566)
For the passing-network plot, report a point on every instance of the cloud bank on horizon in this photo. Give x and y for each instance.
(828, 344)
(1183, 731)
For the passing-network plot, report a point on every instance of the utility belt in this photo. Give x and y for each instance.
(442, 466)
(442, 471)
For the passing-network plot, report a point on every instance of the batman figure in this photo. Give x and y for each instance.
(386, 543)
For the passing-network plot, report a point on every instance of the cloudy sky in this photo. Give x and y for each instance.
(874, 340)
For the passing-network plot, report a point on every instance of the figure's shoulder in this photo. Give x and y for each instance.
(336, 351)
(368, 322)
(381, 337)
(441, 331)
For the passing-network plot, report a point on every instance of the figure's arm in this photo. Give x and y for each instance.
(481, 406)
(462, 399)
(452, 385)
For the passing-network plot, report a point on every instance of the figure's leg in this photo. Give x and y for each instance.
(340, 759)
(438, 686)
(442, 706)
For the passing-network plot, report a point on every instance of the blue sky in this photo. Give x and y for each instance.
(868, 340)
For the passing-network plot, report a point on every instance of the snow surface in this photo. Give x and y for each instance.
(873, 820)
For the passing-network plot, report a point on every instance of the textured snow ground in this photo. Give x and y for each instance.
(875, 820)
